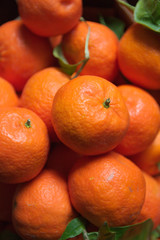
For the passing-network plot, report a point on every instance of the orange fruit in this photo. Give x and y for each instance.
(6, 193)
(149, 159)
(144, 120)
(55, 40)
(107, 187)
(8, 94)
(22, 53)
(24, 145)
(50, 18)
(139, 56)
(42, 208)
(103, 45)
(62, 158)
(89, 115)
(151, 206)
(39, 91)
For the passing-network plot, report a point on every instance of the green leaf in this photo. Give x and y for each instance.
(7, 234)
(105, 233)
(115, 24)
(93, 235)
(147, 13)
(127, 5)
(155, 233)
(71, 68)
(74, 228)
(139, 231)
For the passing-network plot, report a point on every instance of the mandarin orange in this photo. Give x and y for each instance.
(107, 187)
(89, 115)
(42, 208)
(24, 145)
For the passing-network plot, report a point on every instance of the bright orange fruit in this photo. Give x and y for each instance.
(89, 115)
(24, 145)
(107, 187)
(50, 18)
(42, 208)
(144, 123)
(139, 56)
(103, 45)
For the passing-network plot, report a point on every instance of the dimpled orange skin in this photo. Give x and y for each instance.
(8, 94)
(149, 159)
(24, 150)
(80, 119)
(38, 94)
(22, 53)
(42, 208)
(144, 120)
(48, 17)
(112, 189)
(151, 206)
(139, 56)
(103, 45)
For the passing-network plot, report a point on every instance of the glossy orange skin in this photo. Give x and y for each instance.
(107, 187)
(39, 91)
(144, 123)
(8, 94)
(22, 53)
(50, 18)
(42, 208)
(80, 119)
(151, 206)
(139, 56)
(24, 150)
(149, 159)
(6, 192)
(103, 45)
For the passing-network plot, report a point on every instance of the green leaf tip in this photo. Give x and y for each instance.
(127, 5)
(74, 228)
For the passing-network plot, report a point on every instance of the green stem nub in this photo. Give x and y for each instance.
(28, 123)
(106, 103)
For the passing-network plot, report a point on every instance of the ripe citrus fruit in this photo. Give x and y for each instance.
(144, 120)
(151, 206)
(107, 187)
(42, 208)
(56, 40)
(24, 145)
(8, 95)
(139, 56)
(22, 53)
(39, 91)
(50, 18)
(6, 193)
(149, 159)
(89, 115)
(103, 45)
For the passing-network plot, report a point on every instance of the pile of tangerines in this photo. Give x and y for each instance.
(87, 145)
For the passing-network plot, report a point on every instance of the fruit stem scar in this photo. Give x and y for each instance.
(28, 123)
(106, 103)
